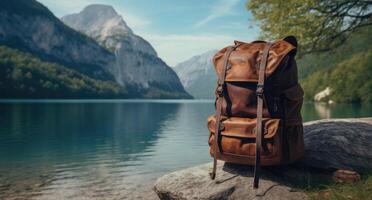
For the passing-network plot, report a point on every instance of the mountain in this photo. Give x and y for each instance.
(40, 57)
(198, 76)
(137, 66)
(30, 27)
(44, 58)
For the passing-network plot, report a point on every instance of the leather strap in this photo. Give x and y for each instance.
(220, 94)
(259, 92)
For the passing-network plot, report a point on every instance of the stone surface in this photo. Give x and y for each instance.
(232, 182)
(338, 144)
(329, 145)
(324, 94)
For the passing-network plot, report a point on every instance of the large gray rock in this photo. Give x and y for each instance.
(232, 182)
(338, 144)
(329, 145)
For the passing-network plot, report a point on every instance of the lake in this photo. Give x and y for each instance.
(108, 149)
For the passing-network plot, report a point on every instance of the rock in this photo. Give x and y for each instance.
(338, 144)
(345, 176)
(232, 182)
(323, 95)
(329, 145)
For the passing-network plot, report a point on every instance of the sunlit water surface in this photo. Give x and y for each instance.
(108, 149)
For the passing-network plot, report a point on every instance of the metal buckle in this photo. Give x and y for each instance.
(259, 90)
(229, 66)
(219, 90)
(222, 126)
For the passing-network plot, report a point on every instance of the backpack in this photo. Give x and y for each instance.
(258, 106)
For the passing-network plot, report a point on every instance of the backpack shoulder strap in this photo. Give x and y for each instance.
(259, 92)
(220, 93)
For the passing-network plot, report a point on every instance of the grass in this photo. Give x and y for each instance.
(361, 190)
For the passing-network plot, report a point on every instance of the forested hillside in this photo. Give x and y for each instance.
(22, 75)
(346, 69)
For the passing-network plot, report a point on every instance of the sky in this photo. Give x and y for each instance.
(178, 29)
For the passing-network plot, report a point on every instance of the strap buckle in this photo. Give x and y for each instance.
(219, 90)
(260, 90)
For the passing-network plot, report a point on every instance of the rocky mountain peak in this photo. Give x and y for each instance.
(197, 75)
(101, 10)
(98, 21)
(137, 66)
(106, 26)
(199, 63)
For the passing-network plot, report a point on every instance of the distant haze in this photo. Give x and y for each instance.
(198, 76)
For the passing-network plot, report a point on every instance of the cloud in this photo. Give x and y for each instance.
(221, 8)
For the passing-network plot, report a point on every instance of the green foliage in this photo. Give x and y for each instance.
(335, 40)
(361, 190)
(346, 69)
(360, 41)
(23, 76)
(17, 13)
(278, 19)
(319, 25)
(315, 83)
(351, 79)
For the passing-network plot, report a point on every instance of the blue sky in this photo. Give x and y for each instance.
(178, 29)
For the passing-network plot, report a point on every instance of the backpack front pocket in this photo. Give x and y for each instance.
(238, 139)
(240, 100)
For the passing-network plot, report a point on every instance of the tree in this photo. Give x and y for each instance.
(319, 25)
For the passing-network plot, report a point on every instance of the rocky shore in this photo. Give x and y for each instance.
(335, 149)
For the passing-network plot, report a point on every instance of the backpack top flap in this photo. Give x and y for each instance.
(246, 58)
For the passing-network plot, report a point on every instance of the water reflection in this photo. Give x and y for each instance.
(72, 131)
(69, 147)
(314, 111)
(323, 110)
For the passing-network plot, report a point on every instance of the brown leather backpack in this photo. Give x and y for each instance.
(258, 103)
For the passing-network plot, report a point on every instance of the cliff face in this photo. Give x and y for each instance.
(136, 65)
(29, 26)
(198, 76)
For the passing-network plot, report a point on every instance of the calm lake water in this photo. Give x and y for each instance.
(108, 149)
